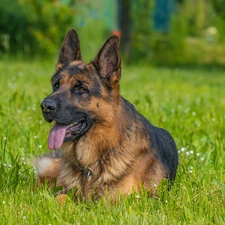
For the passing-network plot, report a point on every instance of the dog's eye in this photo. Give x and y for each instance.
(82, 89)
(56, 85)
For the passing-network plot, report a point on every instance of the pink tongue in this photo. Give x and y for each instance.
(56, 136)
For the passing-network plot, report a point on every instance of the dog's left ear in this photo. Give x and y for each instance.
(108, 62)
(70, 49)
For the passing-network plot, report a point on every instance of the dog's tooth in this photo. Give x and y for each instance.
(73, 124)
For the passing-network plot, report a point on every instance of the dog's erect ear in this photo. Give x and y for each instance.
(70, 49)
(107, 61)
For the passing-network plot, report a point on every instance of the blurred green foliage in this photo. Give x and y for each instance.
(152, 46)
(196, 34)
(33, 26)
(14, 35)
(50, 20)
(37, 27)
(141, 32)
(219, 6)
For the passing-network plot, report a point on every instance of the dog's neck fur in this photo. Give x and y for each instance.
(110, 140)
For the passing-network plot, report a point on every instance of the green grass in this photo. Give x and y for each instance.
(190, 103)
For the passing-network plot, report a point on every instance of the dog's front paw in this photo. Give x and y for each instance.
(47, 168)
(61, 199)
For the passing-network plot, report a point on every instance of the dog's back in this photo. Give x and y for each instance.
(167, 151)
(160, 143)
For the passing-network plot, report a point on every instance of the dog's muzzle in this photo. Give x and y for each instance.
(48, 107)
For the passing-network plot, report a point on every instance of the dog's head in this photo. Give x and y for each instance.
(83, 94)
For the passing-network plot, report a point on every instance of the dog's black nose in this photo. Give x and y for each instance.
(48, 105)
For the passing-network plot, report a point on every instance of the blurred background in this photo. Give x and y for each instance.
(167, 32)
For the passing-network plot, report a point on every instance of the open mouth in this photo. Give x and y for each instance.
(63, 133)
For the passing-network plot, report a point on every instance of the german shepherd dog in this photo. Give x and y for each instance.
(105, 146)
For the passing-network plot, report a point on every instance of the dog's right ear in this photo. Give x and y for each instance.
(107, 61)
(70, 49)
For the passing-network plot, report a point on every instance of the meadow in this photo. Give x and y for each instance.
(188, 102)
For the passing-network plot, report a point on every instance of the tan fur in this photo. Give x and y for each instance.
(116, 154)
(115, 171)
(48, 169)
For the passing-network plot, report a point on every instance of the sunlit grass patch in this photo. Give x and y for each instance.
(189, 103)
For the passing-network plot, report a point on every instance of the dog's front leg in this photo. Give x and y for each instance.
(48, 168)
